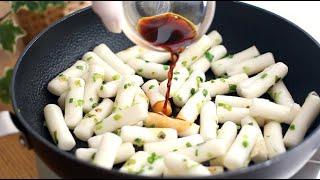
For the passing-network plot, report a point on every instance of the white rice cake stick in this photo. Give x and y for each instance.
(213, 54)
(224, 85)
(62, 100)
(110, 74)
(208, 121)
(93, 83)
(59, 84)
(107, 151)
(219, 67)
(193, 52)
(129, 116)
(140, 124)
(155, 56)
(58, 128)
(149, 70)
(226, 112)
(110, 89)
(214, 170)
(126, 92)
(85, 154)
(126, 150)
(274, 139)
(167, 172)
(188, 88)
(240, 150)
(135, 163)
(234, 101)
(191, 110)
(140, 135)
(179, 77)
(84, 129)
(259, 152)
(192, 130)
(205, 151)
(259, 84)
(74, 104)
(157, 100)
(94, 141)
(280, 94)
(142, 53)
(226, 134)
(141, 98)
(252, 66)
(164, 147)
(183, 166)
(217, 161)
(129, 53)
(302, 122)
(154, 167)
(215, 37)
(113, 60)
(268, 110)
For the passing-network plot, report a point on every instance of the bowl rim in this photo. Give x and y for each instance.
(70, 156)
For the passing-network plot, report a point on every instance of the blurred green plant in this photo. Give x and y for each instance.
(10, 32)
(35, 6)
(5, 81)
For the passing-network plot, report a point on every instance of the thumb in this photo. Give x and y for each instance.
(110, 14)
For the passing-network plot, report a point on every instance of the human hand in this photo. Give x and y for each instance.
(110, 14)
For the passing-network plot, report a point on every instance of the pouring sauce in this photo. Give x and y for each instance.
(171, 32)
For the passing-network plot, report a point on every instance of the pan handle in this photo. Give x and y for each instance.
(10, 124)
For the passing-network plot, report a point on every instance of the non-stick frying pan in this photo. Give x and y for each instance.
(241, 26)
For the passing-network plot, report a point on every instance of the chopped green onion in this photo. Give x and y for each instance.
(277, 79)
(209, 56)
(205, 92)
(188, 144)
(79, 103)
(232, 88)
(161, 135)
(152, 158)
(264, 75)
(193, 91)
(117, 117)
(55, 137)
(70, 100)
(184, 63)
(97, 76)
(140, 70)
(151, 87)
(245, 143)
(246, 69)
(130, 162)
(116, 77)
(79, 67)
(292, 127)
(139, 142)
(165, 67)
(225, 106)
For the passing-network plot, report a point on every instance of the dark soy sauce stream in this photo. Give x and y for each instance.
(171, 32)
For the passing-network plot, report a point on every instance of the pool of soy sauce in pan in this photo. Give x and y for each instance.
(171, 32)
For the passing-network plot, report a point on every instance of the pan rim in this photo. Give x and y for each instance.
(70, 156)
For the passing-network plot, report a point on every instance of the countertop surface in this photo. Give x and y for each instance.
(18, 162)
